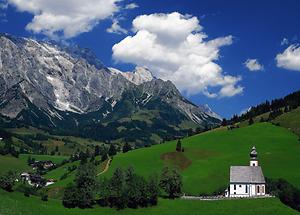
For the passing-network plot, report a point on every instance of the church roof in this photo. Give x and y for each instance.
(246, 174)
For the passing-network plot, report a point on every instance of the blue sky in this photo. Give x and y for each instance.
(247, 30)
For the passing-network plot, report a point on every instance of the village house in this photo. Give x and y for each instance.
(36, 180)
(247, 181)
(43, 165)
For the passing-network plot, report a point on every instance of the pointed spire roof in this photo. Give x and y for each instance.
(253, 153)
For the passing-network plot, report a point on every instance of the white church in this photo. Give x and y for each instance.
(247, 181)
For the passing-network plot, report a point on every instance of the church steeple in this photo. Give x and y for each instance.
(253, 157)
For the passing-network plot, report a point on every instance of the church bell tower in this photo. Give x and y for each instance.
(253, 157)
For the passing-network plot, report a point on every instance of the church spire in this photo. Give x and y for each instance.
(253, 157)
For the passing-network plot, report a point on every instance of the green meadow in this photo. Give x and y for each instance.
(17, 204)
(11, 163)
(204, 166)
(206, 159)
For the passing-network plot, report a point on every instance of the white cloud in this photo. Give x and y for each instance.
(116, 28)
(67, 18)
(131, 6)
(174, 47)
(290, 58)
(253, 65)
(284, 41)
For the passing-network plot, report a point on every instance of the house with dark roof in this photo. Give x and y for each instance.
(247, 181)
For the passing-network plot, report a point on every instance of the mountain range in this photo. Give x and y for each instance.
(67, 90)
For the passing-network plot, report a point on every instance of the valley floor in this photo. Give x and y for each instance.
(17, 204)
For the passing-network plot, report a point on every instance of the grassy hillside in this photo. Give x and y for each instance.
(11, 163)
(290, 120)
(16, 203)
(55, 158)
(28, 138)
(207, 157)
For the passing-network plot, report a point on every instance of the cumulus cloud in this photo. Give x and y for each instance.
(116, 28)
(290, 58)
(253, 65)
(131, 6)
(67, 18)
(174, 47)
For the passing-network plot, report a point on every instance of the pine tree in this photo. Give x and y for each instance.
(224, 122)
(97, 151)
(86, 183)
(178, 146)
(126, 147)
(250, 122)
(112, 150)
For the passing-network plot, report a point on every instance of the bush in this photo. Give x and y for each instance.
(44, 197)
(287, 193)
(7, 181)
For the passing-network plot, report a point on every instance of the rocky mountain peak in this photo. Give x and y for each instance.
(69, 85)
(139, 76)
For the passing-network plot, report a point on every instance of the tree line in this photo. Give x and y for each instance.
(124, 189)
(276, 107)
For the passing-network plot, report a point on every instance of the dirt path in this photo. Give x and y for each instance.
(106, 167)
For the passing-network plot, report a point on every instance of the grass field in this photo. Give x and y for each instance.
(11, 163)
(207, 157)
(17, 204)
(290, 120)
(66, 144)
(56, 159)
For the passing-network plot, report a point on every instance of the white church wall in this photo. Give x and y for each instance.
(252, 190)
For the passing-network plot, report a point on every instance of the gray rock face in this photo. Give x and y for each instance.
(69, 79)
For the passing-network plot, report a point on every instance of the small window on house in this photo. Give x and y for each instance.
(234, 193)
(234, 187)
(246, 189)
(263, 189)
(240, 186)
(253, 164)
(257, 189)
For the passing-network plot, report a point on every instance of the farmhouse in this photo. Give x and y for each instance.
(43, 165)
(247, 181)
(36, 180)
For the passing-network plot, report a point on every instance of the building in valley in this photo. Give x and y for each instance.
(247, 181)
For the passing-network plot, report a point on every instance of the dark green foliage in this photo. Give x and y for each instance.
(7, 180)
(112, 150)
(224, 122)
(86, 184)
(171, 182)
(30, 161)
(44, 197)
(97, 151)
(71, 196)
(8, 148)
(275, 113)
(82, 193)
(126, 147)
(251, 121)
(178, 146)
(287, 103)
(127, 189)
(287, 193)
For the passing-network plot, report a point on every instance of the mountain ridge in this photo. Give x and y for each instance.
(59, 83)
